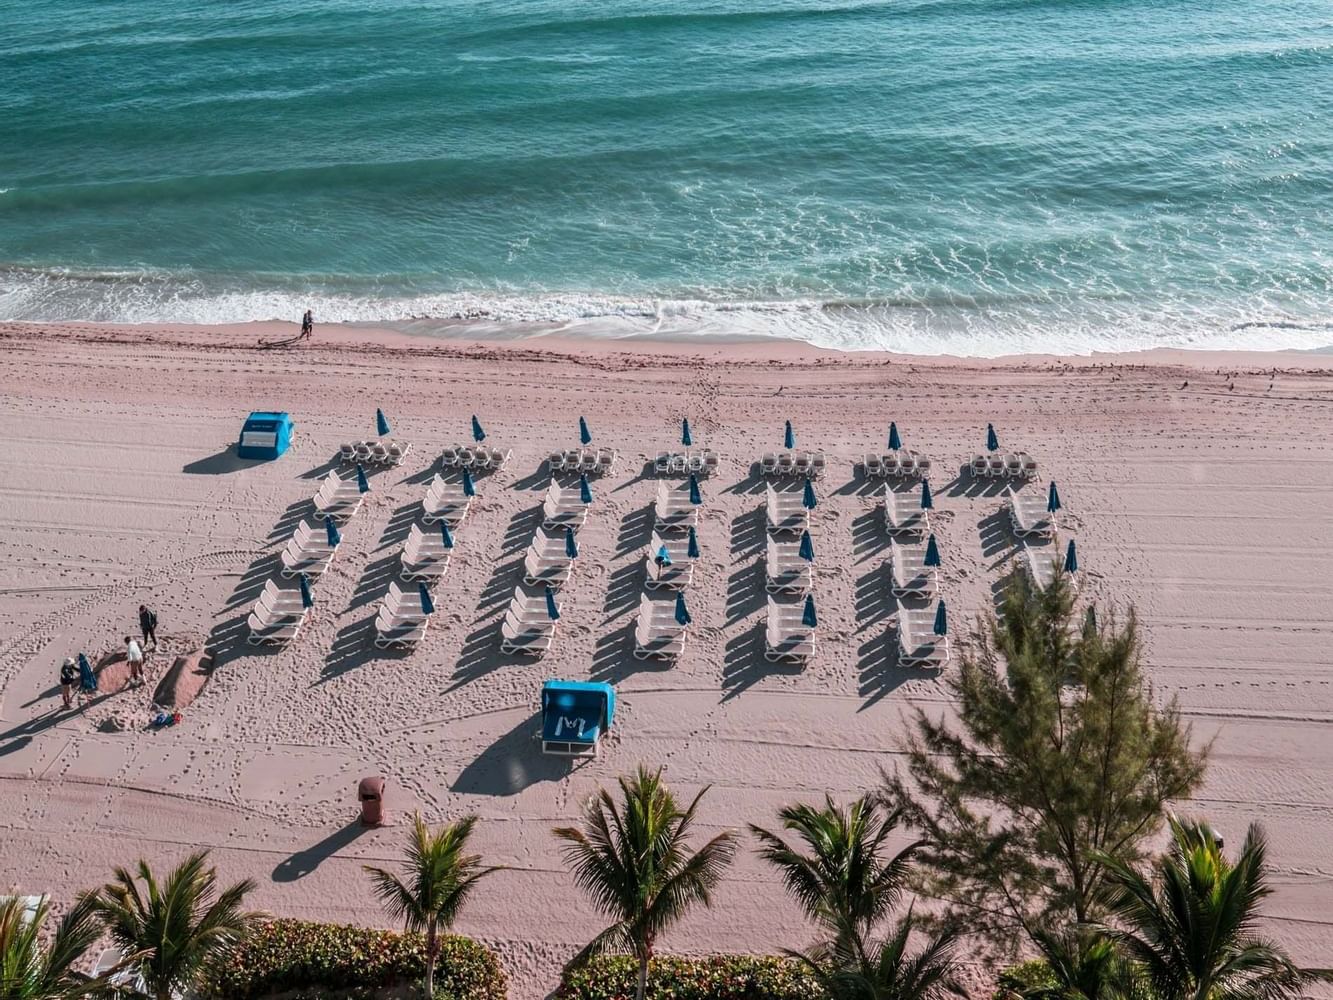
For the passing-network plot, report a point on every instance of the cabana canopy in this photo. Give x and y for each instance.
(575, 714)
(264, 435)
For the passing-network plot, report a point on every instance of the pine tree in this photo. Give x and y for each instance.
(1059, 754)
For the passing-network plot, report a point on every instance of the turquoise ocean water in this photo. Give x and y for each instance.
(963, 176)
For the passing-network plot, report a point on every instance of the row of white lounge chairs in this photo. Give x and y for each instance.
(777, 464)
(1013, 465)
(384, 451)
(896, 465)
(589, 460)
(473, 456)
(703, 462)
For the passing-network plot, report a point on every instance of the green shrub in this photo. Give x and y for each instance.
(303, 957)
(1017, 979)
(721, 977)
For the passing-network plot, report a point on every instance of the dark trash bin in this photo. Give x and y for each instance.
(371, 793)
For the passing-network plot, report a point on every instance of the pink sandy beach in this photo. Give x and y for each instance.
(1207, 506)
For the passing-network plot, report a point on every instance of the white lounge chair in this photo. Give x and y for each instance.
(449, 456)
(786, 464)
(1041, 563)
(903, 514)
(918, 645)
(673, 509)
(768, 463)
(678, 573)
(528, 628)
(1028, 465)
(786, 511)
(425, 556)
(873, 466)
(546, 563)
(996, 467)
(275, 599)
(920, 465)
(786, 638)
(275, 632)
(1028, 515)
(402, 620)
(564, 507)
(346, 453)
(657, 635)
(308, 551)
(445, 501)
(397, 451)
(910, 575)
(979, 467)
(338, 498)
(785, 572)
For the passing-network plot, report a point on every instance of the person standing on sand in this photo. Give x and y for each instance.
(307, 324)
(69, 678)
(148, 626)
(134, 654)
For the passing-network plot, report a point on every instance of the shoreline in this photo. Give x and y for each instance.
(552, 342)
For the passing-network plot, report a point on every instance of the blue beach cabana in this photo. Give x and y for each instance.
(575, 714)
(264, 435)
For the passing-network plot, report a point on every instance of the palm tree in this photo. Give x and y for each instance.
(1192, 925)
(174, 927)
(30, 972)
(849, 971)
(633, 860)
(1082, 964)
(844, 882)
(440, 877)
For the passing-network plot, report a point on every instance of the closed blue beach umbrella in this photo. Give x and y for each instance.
(932, 551)
(895, 442)
(992, 442)
(585, 436)
(427, 605)
(685, 437)
(692, 547)
(1052, 499)
(362, 483)
(695, 497)
(307, 601)
(585, 491)
(552, 612)
(571, 546)
(331, 530)
(788, 437)
(808, 617)
(381, 425)
(682, 612)
(807, 549)
(808, 498)
(663, 557)
(446, 536)
(478, 435)
(469, 487)
(1071, 558)
(941, 619)
(87, 679)
(927, 501)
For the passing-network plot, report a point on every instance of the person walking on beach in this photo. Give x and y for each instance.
(148, 626)
(69, 679)
(134, 653)
(307, 324)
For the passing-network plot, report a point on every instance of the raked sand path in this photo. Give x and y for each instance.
(1208, 507)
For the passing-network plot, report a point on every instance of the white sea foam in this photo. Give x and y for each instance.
(972, 329)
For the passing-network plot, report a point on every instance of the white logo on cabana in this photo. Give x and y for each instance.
(575, 724)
